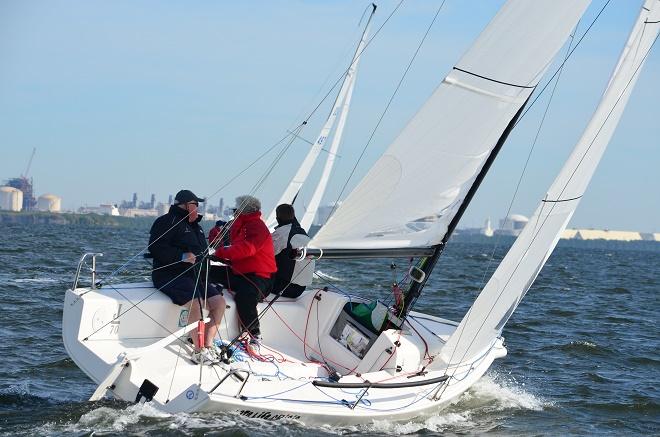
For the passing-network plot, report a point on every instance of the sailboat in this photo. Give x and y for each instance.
(340, 109)
(330, 362)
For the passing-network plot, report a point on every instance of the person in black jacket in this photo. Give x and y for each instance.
(176, 242)
(293, 275)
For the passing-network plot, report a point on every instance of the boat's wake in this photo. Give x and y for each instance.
(473, 411)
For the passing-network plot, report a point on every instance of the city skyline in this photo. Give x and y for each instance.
(151, 98)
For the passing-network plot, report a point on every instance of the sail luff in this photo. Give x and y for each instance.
(446, 144)
(298, 180)
(506, 288)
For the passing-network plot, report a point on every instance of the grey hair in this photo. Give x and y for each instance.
(247, 204)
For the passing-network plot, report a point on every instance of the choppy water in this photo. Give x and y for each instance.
(583, 346)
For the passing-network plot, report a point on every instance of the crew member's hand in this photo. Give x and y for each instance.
(188, 257)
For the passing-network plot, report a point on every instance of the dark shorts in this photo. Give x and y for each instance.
(181, 290)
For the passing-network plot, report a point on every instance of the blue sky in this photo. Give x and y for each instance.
(149, 97)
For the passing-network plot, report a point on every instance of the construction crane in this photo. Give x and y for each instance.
(29, 164)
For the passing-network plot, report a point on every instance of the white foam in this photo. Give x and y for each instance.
(437, 423)
(326, 276)
(586, 343)
(34, 280)
(494, 392)
(105, 419)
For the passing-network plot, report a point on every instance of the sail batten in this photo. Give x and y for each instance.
(510, 282)
(414, 191)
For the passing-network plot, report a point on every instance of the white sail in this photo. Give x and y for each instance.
(411, 194)
(341, 105)
(484, 321)
(313, 206)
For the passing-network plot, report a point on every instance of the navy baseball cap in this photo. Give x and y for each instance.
(185, 196)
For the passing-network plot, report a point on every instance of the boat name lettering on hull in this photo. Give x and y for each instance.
(267, 415)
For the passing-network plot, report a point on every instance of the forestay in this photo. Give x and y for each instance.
(411, 194)
(508, 285)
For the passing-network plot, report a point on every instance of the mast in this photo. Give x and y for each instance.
(293, 189)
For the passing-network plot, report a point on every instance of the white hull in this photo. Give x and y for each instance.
(126, 351)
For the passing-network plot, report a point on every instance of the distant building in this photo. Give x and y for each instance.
(25, 185)
(596, 234)
(49, 203)
(102, 209)
(162, 208)
(512, 225)
(138, 212)
(11, 199)
(324, 213)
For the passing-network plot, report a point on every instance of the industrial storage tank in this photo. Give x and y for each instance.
(49, 203)
(11, 199)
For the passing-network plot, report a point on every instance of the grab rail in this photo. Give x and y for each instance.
(234, 372)
(368, 384)
(80, 264)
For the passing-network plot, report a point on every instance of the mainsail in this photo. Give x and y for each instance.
(341, 105)
(412, 193)
(484, 321)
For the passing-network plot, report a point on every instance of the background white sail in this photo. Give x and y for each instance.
(341, 104)
(411, 194)
(508, 285)
(313, 206)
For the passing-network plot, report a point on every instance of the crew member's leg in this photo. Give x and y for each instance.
(216, 305)
(247, 295)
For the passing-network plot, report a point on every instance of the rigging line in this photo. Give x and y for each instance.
(257, 159)
(529, 154)
(351, 65)
(553, 205)
(268, 306)
(373, 132)
(273, 164)
(134, 305)
(278, 142)
(176, 365)
(213, 245)
(347, 49)
(520, 178)
(123, 266)
(274, 145)
(562, 64)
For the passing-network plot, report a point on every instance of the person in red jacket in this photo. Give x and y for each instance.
(219, 232)
(252, 260)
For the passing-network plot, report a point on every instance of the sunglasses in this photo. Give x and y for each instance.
(193, 203)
